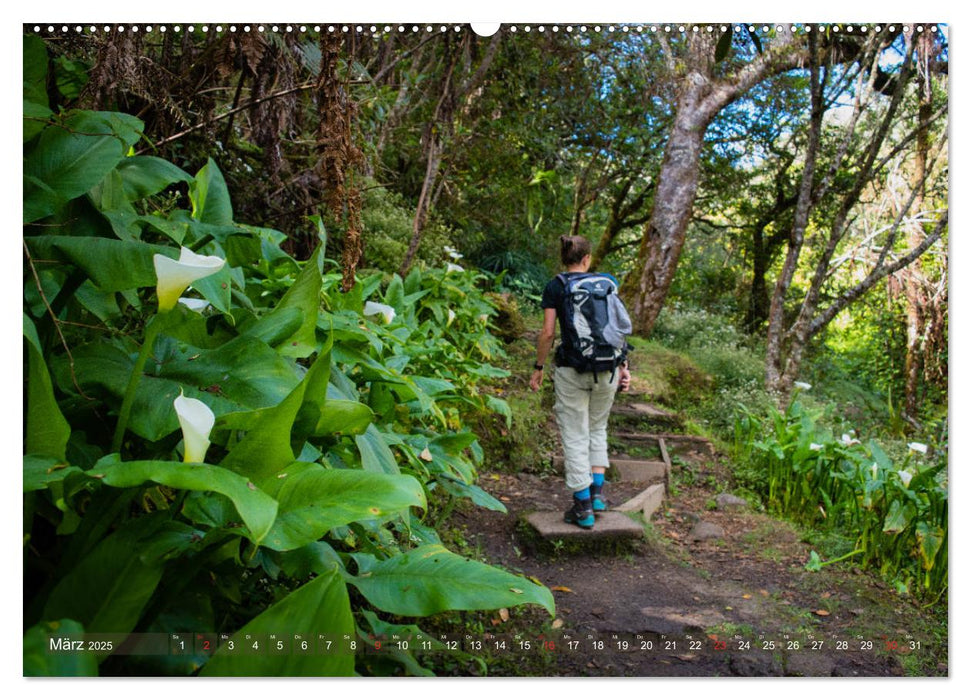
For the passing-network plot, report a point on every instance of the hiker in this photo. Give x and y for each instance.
(588, 370)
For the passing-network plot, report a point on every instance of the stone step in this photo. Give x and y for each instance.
(640, 469)
(645, 411)
(630, 469)
(610, 525)
(647, 501)
(696, 441)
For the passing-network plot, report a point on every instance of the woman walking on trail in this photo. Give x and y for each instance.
(584, 388)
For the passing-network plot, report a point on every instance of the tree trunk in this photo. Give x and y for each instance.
(646, 287)
(774, 354)
(912, 276)
(784, 349)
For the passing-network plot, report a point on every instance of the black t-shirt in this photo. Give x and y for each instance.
(555, 291)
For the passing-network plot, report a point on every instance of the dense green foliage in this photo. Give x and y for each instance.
(338, 419)
(897, 512)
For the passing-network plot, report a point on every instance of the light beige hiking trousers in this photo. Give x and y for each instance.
(581, 409)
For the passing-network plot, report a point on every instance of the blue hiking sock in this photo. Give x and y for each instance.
(583, 495)
(598, 479)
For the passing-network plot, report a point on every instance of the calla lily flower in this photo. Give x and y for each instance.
(174, 276)
(918, 447)
(451, 318)
(905, 477)
(452, 253)
(848, 440)
(452, 267)
(372, 308)
(199, 305)
(803, 386)
(196, 419)
(873, 470)
(815, 447)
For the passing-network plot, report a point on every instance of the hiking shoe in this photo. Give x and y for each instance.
(581, 513)
(598, 500)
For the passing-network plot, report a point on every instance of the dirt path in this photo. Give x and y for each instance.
(738, 604)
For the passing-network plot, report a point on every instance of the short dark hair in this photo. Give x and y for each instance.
(573, 249)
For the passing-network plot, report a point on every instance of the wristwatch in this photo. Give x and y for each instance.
(538, 366)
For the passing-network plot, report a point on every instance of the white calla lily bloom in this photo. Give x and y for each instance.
(452, 267)
(905, 477)
(373, 308)
(199, 305)
(815, 447)
(453, 253)
(196, 419)
(918, 447)
(451, 318)
(873, 471)
(803, 386)
(848, 440)
(174, 276)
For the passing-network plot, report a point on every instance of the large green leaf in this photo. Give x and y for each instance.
(897, 518)
(113, 265)
(376, 456)
(143, 176)
(930, 538)
(315, 500)
(256, 508)
(320, 607)
(471, 491)
(47, 429)
(266, 448)
(72, 157)
(340, 416)
(303, 295)
(36, 117)
(107, 591)
(40, 471)
(431, 579)
(242, 374)
(210, 196)
(40, 661)
(35, 70)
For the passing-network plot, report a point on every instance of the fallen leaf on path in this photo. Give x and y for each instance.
(765, 593)
(503, 498)
(825, 595)
(686, 657)
(564, 589)
(557, 624)
(504, 614)
(747, 596)
(822, 613)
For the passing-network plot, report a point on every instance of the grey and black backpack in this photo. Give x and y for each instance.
(595, 324)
